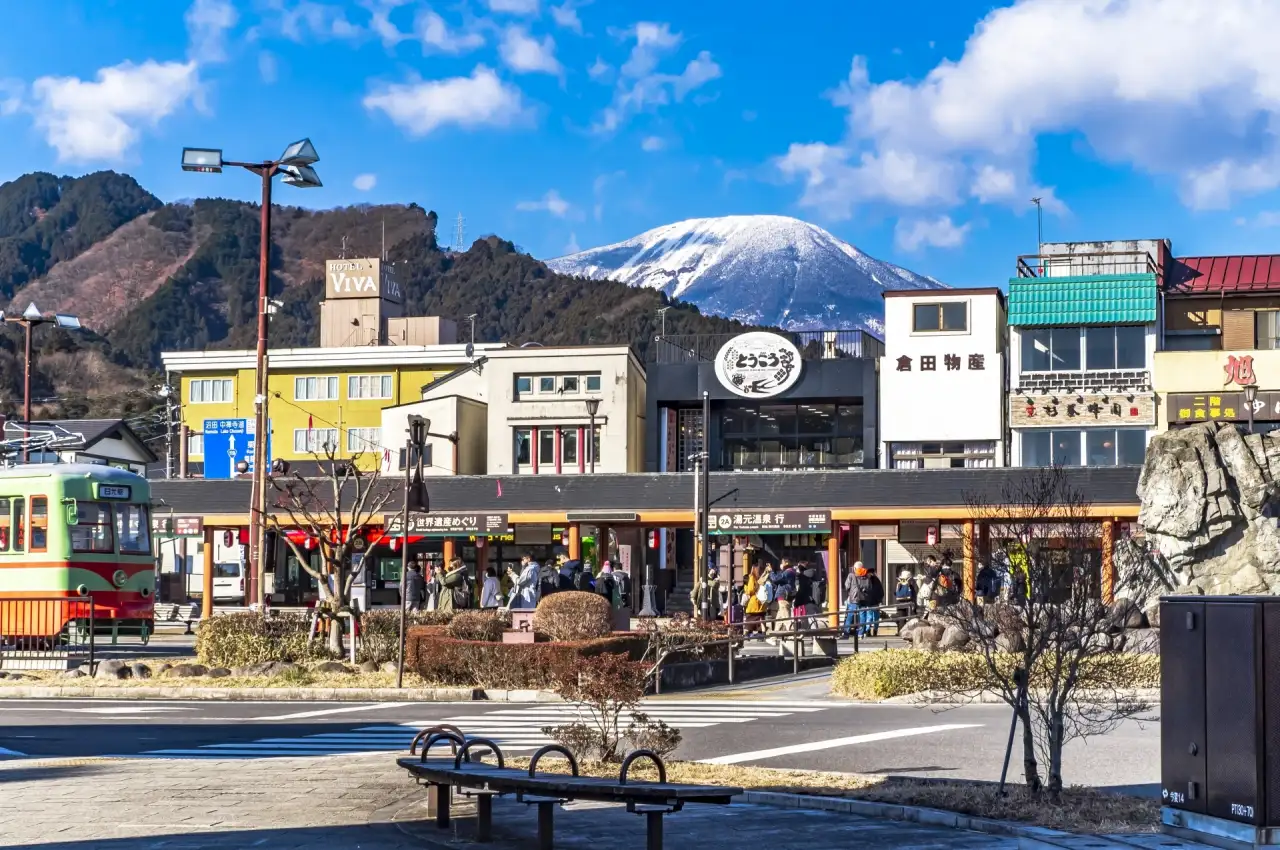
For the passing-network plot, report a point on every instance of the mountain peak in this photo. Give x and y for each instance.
(758, 269)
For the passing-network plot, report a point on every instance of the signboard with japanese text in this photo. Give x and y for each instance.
(943, 363)
(450, 524)
(177, 526)
(758, 364)
(761, 521)
(1081, 409)
(227, 442)
(1221, 406)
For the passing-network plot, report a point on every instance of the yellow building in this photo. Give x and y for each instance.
(371, 357)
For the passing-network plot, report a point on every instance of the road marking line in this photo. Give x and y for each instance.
(813, 746)
(322, 712)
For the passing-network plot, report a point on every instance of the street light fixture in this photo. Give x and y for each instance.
(295, 167)
(1250, 396)
(30, 318)
(593, 407)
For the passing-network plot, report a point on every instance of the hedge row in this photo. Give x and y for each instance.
(899, 672)
(443, 660)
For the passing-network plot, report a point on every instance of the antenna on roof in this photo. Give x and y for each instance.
(342, 253)
(384, 237)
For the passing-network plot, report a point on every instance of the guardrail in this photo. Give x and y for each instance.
(46, 632)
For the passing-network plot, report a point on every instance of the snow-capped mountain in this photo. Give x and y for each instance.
(759, 269)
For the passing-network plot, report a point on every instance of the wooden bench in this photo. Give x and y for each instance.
(546, 790)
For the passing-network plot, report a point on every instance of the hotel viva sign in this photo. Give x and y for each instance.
(363, 278)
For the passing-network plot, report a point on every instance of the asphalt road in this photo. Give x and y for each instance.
(788, 727)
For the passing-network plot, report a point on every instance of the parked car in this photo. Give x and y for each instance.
(228, 582)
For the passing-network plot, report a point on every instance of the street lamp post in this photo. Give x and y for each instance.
(1250, 396)
(29, 319)
(295, 166)
(412, 462)
(593, 407)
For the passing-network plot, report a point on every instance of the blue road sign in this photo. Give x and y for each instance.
(227, 442)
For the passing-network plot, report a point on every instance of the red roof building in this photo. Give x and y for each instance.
(1228, 275)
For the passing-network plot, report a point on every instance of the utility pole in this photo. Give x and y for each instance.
(1039, 223)
(705, 519)
(29, 319)
(417, 438)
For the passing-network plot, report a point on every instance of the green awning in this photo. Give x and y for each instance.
(1086, 300)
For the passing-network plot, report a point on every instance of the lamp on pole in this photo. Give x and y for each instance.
(29, 319)
(1250, 396)
(415, 497)
(295, 166)
(593, 407)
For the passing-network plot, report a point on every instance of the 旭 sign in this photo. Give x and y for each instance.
(760, 521)
(450, 524)
(1081, 409)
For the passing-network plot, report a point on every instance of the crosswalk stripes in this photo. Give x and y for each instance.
(513, 729)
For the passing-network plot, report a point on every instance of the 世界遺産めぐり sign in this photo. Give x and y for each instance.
(758, 364)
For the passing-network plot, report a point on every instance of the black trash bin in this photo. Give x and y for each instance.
(1220, 717)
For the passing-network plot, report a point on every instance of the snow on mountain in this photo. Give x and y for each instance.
(759, 269)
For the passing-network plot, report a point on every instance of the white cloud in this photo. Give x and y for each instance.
(940, 232)
(572, 247)
(641, 86)
(524, 54)
(566, 17)
(268, 67)
(1264, 219)
(1116, 74)
(381, 25)
(551, 203)
(434, 33)
(307, 21)
(365, 182)
(100, 119)
(207, 24)
(422, 106)
(513, 7)
(12, 92)
(600, 70)
(652, 144)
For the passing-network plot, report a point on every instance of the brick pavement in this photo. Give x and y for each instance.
(365, 802)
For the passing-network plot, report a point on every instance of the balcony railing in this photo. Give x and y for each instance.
(1102, 264)
(813, 345)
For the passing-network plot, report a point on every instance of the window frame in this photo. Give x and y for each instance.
(358, 442)
(586, 383)
(192, 438)
(940, 307)
(543, 388)
(528, 390)
(228, 385)
(109, 525)
(32, 519)
(564, 384)
(1052, 331)
(118, 511)
(302, 379)
(307, 443)
(544, 433)
(568, 438)
(386, 387)
(528, 445)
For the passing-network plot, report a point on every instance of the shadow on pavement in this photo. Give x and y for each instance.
(380, 836)
(16, 771)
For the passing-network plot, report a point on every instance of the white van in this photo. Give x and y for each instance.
(228, 582)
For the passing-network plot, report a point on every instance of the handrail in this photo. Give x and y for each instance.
(443, 727)
(636, 754)
(553, 748)
(454, 740)
(457, 759)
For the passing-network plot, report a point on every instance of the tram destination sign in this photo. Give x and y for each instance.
(449, 524)
(177, 526)
(762, 521)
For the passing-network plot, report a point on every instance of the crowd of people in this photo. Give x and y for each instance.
(428, 587)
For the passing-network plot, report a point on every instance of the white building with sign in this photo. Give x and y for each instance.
(943, 379)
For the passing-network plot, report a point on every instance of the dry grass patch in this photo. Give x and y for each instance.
(1079, 809)
(304, 678)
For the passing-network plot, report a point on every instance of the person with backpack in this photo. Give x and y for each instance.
(905, 595)
(987, 585)
(415, 588)
(948, 588)
(455, 593)
(802, 605)
(606, 586)
(775, 586)
(756, 607)
(581, 578)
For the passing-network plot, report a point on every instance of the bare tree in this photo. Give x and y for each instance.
(333, 510)
(1050, 627)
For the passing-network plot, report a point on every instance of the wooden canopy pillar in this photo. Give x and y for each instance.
(575, 540)
(833, 569)
(969, 579)
(1108, 561)
(450, 551)
(206, 593)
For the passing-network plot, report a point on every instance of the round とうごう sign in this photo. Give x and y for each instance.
(758, 364)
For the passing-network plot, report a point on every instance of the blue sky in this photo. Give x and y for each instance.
(917, 131)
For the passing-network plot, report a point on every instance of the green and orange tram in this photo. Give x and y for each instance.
(75, 546)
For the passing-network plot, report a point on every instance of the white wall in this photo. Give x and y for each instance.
(958, 405)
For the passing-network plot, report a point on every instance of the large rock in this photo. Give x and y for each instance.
(953, 638)
(113, 669)
(184, 671)
(331, 667)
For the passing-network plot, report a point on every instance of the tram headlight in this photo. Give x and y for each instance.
(146, 591)
(119, 577)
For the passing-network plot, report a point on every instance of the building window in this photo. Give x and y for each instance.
(569, 384)
(594, 448)
(315, 389)
(791, 436)
(212, 391)
(524, 446)
(1119, 347)
(569, 446)
(688, 437)
(547, 446)
(1206, 340)
(547, 384)
(1050, 349)
(1084, 447)
(948, 455)
(593, 383)
(524, 384)
(950, 316)
(369, 386)
(314, 440)
(364, 439)
(195, 445)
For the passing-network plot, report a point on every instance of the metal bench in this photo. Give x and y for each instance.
(546, 790)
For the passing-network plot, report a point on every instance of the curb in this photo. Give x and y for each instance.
(279, 694)
(1148, 695)
(1029, 837)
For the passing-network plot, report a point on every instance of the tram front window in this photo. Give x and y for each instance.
(133, 529)
(93, 531)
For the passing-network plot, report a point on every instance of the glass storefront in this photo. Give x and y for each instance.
(790, 436)
(1084, 447)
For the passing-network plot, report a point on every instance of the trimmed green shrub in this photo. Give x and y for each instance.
(380, 631)
(443, 660)
(476, 625)
(898, 672)
(573, 615)
(234, 640)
